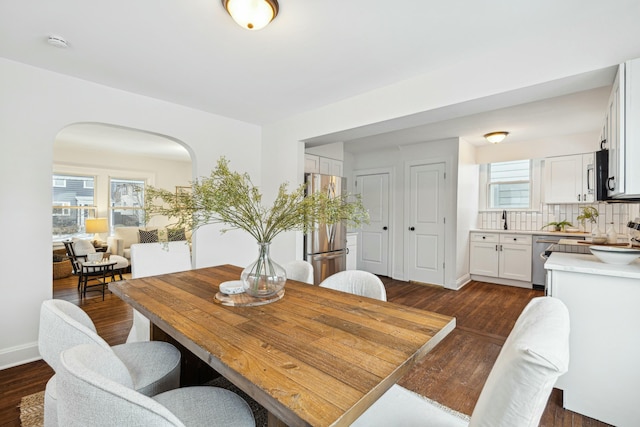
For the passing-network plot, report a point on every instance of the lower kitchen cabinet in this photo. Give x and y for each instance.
(501, 256)
(603, 376)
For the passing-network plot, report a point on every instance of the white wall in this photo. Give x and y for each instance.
(559, 145)
(466, 209)
(34, 106)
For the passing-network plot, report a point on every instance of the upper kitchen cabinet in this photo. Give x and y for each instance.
(323, 165)
(330, 166)
(621, 132)
(569, 179)
(311, 163)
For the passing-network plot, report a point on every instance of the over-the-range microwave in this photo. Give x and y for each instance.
(604, 181)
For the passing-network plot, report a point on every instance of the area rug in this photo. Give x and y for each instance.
(32, 410)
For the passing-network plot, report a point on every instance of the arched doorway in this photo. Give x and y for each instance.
(96, 166)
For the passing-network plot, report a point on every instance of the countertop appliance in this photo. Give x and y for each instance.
(326, 246)
(543, 246)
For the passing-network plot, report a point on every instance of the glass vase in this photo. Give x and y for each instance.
(263, 277)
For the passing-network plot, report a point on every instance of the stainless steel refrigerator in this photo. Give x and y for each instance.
(326, 245)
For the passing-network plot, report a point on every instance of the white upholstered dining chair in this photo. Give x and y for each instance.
(357, 282)
(154, 366)
(96, 389)
(153, 259)
(515, 394)
(299, 270)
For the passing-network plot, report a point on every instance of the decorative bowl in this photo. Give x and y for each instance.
(615, 254)
(599, 240)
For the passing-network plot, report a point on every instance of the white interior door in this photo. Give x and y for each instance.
(426, 224)
(373, 255)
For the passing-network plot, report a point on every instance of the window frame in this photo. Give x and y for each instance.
(113, 207)
(535, 182)
(66, 208)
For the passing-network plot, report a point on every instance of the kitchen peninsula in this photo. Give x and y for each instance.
(602, 381)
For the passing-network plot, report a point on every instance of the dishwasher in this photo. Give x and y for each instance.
(542, 244)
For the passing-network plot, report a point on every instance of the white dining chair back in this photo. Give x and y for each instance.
(299, 270)
(153, 259)
(516, 392)
(357, 282)
(96, 389)
(155, 366)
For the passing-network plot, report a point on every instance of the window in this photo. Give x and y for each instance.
(72, 203)
(126, 202)
(509, 185)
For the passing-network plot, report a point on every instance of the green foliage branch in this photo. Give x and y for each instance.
(230, 198)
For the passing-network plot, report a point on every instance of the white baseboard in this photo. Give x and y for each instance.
(19, 355)
(461, 281)
(501, 281)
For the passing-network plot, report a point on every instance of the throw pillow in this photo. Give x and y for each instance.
(83, 247)
(150, 236)
(176, 234)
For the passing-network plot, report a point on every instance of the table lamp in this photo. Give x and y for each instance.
(97, 226)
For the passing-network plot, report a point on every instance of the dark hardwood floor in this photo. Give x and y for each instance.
(452, 374)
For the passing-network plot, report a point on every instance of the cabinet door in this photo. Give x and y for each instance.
(483, 259)
(588, 178)
(336, 167)
(311, 163)
(325, 166)
(515, 262)
(615, 136)
(563, 179)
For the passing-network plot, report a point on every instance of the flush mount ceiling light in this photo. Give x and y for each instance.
(252, 14)
(496, 137)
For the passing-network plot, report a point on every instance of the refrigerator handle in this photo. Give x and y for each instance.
(323, 257)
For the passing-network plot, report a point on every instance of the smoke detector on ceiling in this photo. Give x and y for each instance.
(57, 41)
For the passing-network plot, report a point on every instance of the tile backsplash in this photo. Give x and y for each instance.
(617, 213)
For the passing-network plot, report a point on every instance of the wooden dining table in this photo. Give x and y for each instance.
(316, 357)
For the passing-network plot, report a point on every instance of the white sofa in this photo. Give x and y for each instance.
(123, 237)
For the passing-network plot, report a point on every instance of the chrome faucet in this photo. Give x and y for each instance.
(504, 219)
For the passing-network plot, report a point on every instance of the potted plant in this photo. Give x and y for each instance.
(231, 198)
(588, 213)
(558, 226)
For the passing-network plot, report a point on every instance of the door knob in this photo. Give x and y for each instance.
(385, 227)
(412, 228)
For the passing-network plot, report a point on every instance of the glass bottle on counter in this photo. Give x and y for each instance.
(612, 236)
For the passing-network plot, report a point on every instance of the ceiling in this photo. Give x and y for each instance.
(320, 52)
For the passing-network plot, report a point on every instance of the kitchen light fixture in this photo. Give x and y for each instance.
(252, 14)
(496, 137)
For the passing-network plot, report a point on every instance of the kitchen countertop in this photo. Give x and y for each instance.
(589, 264)
(532, 232)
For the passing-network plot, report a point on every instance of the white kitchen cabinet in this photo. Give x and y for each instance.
(621, 131)
(323, 165)
(603, 375)
(569, 179)
(330, 166)
(311, 163)
(352, 251)
(501, 256)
